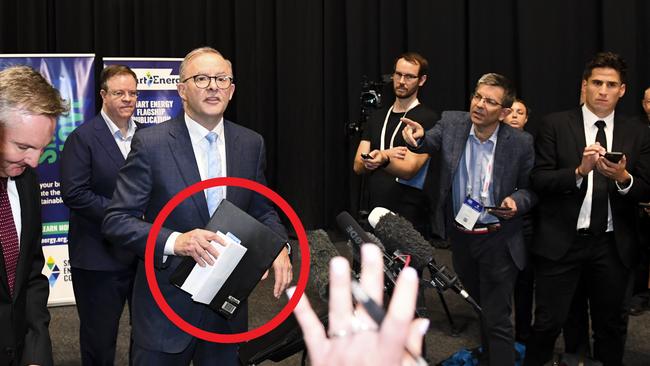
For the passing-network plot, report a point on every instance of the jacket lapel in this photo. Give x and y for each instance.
(183, 153)
(107, 141)
(576, 126)
(502, 153)
(459, 141)
(233, 149)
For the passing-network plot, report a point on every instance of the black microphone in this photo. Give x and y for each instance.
(399, 236)
(321, 251)
(358, 236)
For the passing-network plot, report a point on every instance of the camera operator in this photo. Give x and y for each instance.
(384, 132)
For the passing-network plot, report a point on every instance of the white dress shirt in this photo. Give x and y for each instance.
(123, 142)
(590, 119)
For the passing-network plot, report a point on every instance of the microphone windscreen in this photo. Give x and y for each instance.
(397, 233)
(322, 250)
(376, 214)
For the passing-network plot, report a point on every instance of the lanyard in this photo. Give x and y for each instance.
(486, 176)
(382, 145)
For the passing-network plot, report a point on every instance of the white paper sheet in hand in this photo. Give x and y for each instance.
(203, 283)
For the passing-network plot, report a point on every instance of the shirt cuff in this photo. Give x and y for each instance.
(169, 245)
(624, 191)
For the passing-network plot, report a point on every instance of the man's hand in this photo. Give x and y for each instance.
(590, 157)
(196, 244)
(396, 153)
(412, 131)
(283, 273)
(377, 159)
(506, 214)
(615, 171)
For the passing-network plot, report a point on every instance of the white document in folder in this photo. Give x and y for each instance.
(203, 283)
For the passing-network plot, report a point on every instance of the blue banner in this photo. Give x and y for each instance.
(158, 99)
(73, 76)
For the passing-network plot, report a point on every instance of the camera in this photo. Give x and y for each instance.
(370, 99)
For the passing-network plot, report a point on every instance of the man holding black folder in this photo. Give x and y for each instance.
(165, 159)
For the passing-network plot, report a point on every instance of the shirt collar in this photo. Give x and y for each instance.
(493, 137)
(198, 132)
(590, 118)
(115, 130)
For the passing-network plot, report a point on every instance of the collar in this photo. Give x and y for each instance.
(198, 132)
(589, 118)
(493, 137)
(115, 130)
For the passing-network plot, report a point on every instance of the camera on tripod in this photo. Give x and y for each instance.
(370, 99)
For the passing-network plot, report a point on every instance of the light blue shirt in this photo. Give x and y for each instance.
(123, 142)
(475, 172)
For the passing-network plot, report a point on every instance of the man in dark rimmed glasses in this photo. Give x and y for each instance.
(165, 159)
(484, 192)
(90, 162)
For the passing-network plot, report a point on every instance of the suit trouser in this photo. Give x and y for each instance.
(605, 281)
(486, 269)
(100, 298)
(199, 352)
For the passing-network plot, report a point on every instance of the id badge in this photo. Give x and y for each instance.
(469, 213)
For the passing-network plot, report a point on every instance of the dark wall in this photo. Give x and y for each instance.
(298, 64)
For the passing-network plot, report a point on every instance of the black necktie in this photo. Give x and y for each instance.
(599, 195)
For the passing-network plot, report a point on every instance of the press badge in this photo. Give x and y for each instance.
(469, 213)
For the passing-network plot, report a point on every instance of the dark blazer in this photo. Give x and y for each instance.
(90, 162)
(24, 318)
(513, 161)
(560, 143)
(160, 165)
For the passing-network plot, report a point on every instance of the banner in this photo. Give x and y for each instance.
(73, 76)
(158, 99)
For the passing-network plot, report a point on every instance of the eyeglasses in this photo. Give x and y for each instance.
(122, 93)
(203, 81)
(477, 98)
(407, 77)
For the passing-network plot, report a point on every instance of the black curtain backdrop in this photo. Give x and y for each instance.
(298, 64)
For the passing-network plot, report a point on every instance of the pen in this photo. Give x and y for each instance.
(377, 314)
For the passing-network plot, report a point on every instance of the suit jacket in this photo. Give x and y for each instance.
(513, 161)
(160, 165)
(560, 143)
(90, 162)
(24, 318)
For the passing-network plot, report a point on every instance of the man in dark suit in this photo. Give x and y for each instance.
(29, 106)
(91, 159)
(165, 159)
(484, 163)
(585, 223)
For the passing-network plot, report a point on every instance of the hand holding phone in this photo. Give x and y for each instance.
(614, 156)
(365, 156)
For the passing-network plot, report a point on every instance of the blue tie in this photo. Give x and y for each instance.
(214, 170)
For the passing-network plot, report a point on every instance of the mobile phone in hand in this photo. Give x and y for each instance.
(366, 156)
(614, 156)
(497, 208)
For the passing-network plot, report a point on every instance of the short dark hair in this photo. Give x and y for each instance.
(414, 58)
(494, 79)
(113, 70)
(528, 110)
(608, 60)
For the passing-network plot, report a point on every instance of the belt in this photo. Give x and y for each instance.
(586, 233)
(480, 228)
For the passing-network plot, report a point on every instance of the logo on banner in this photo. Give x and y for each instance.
(156, 79)
(54, 271)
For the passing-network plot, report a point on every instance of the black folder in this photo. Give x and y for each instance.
(263, 246)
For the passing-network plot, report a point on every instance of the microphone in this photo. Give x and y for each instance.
(358, 236)
(399, 236)
(321, 251)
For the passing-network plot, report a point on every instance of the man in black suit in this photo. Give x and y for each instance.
(91, 159)
(585, 221)
(29, 106)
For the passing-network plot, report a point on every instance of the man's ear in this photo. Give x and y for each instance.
(423, 79)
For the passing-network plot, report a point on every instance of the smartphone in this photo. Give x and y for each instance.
(366, 156)
(497, 208)
(613, 156)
